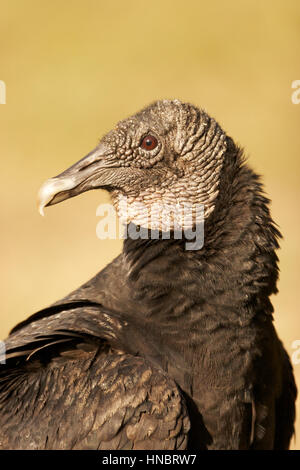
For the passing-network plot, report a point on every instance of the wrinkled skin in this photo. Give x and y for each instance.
(165, 348)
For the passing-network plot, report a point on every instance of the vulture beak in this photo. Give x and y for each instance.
(95, 170)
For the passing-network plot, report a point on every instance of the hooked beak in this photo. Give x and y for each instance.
(97, 169)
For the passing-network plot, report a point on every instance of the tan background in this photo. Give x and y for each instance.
(74, 68)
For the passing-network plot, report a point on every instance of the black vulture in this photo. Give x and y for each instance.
(168, 347)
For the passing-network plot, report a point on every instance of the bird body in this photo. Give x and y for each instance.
(166, 348)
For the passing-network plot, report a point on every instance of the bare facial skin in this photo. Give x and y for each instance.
(167, 155)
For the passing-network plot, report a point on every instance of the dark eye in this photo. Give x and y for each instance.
(149, 142)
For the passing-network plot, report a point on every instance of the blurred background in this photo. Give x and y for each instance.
(73, 69)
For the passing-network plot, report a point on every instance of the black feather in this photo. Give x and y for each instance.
(163, 349)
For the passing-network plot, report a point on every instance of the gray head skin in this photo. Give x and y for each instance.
(168, 154)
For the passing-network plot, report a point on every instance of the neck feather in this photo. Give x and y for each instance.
(235, 269)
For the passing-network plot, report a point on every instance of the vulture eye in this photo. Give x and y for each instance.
(149, 142)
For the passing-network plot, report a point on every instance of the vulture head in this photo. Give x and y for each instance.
(166, 156)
